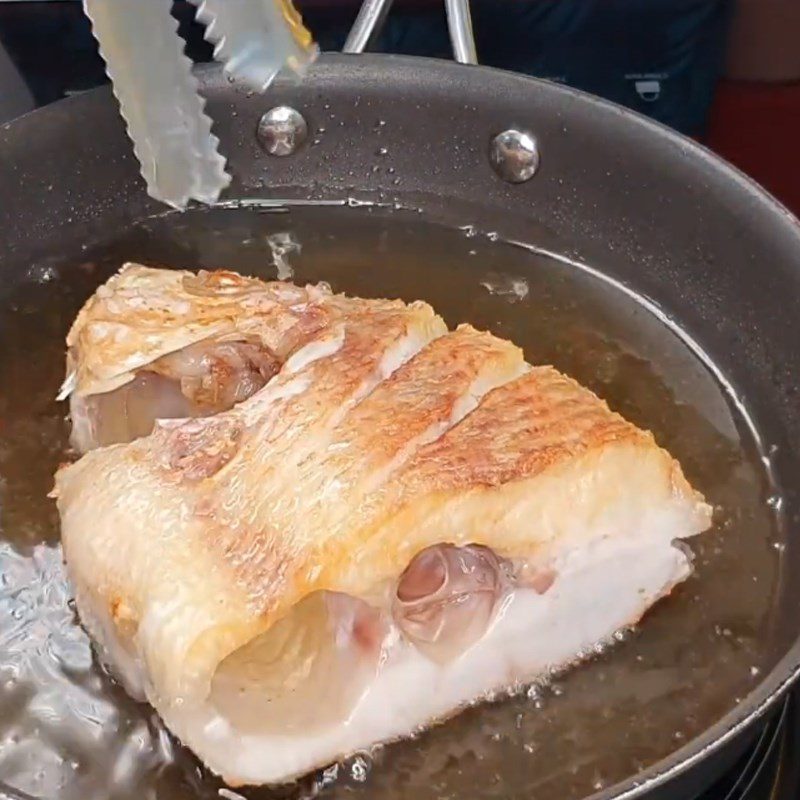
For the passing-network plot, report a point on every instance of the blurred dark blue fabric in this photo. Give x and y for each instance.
(660, 57)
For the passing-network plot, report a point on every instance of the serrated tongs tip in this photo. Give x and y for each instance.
(159, 100)
(255, 39)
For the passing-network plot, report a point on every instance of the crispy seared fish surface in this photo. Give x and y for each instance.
(304, 524)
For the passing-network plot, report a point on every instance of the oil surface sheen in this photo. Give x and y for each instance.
(68, 732)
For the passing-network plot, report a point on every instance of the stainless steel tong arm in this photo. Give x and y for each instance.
(372, 15)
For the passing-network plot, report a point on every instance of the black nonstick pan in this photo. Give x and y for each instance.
(631, 258)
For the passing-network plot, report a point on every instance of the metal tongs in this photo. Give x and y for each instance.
(159, 95)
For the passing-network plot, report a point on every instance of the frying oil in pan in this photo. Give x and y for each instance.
(67, 731)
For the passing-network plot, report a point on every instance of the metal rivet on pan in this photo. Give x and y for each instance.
(281, 131)
(514, 155)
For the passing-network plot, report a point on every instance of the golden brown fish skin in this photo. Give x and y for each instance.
(144, 313)
(195, 451)
(420, 395)
(520, 429)
(215, 481)
(244, 534)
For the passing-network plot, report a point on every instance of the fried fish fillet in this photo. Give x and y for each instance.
(390, 522)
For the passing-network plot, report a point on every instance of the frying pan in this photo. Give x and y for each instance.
(651, 216)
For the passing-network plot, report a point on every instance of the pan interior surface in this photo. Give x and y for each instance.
(67, 731)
